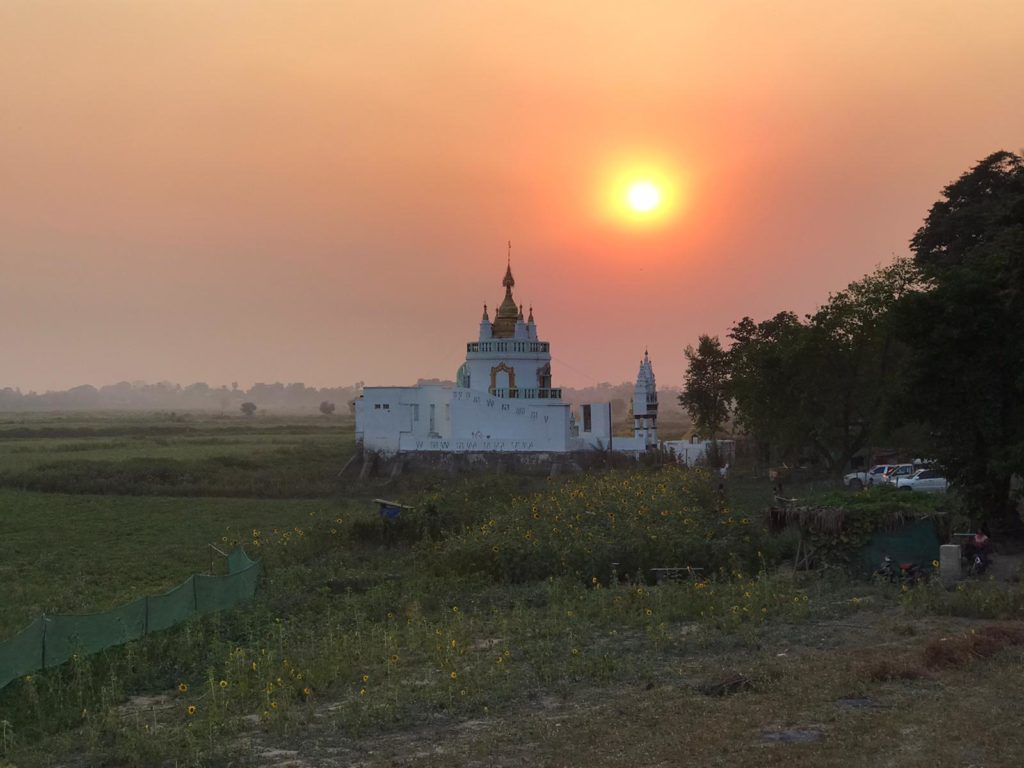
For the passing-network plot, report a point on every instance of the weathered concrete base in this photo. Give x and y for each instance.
(949, 563)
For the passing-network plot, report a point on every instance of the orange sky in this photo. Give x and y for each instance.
(234, 190)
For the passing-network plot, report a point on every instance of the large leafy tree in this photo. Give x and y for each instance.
(705, 393)
(965, 373)
(820, 384)
(764, 376)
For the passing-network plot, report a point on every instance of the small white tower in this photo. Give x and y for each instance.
(485, 326)
(645, 405)
(521, 332)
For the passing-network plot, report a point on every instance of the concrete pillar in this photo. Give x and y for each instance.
(949, 563)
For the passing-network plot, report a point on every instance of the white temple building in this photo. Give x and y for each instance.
(503, 401)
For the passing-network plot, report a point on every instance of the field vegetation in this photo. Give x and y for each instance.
(504, 620)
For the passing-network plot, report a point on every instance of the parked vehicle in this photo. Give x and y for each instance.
(874, 476)
(898, 471)
(927, 480)
(902, 573)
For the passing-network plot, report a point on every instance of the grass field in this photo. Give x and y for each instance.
(506, 621)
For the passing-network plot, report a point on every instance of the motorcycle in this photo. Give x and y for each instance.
(902, 573)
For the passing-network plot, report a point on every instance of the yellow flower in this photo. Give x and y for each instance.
(182, 687)
(223, 683)
(362, 691)
(253, 665)
(307, 691)
(190, 710)
(454, 642)
(394, 658)
(935, 563)
(575, 651)
(366, 678)
(453, 674)
(273, 705)
(648, 611)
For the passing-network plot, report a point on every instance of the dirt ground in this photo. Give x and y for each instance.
(876, 689)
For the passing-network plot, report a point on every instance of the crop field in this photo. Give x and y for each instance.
(505, 620)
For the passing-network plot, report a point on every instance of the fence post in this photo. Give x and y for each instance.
(42, 664)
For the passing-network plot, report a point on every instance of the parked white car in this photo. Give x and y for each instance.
(874, 476)
(928, 480)
(899, 472)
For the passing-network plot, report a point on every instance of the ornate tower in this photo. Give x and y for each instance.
(508, 360)
(507, 316)
(645, 404)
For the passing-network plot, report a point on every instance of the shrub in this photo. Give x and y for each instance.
(594, 525)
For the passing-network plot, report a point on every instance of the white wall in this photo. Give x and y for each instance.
(600, 426)
(690, 453)
(482, 423)
(385, 414)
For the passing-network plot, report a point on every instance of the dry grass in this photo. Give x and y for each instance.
(946, 715)
(962, 650)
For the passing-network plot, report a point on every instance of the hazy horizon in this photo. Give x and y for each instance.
(322, 192)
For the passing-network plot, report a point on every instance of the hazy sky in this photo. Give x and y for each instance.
(251, 191)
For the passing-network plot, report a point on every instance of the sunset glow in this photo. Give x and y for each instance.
(323, 192)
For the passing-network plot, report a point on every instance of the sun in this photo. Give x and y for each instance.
(641, 193)
(643, 196)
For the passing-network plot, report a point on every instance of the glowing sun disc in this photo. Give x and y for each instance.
(643, 197)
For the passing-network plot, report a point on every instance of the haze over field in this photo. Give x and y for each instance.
(236, 191)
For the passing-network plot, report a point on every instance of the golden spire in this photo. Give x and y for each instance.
(508, 313)
(509, 281)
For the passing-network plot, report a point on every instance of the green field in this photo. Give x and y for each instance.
(505, 621)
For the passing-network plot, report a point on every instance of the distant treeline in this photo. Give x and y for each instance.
(277, 397)
(296, 397)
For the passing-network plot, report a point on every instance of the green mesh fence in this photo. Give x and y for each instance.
(52, 640)
(172, 608)
(915, 542)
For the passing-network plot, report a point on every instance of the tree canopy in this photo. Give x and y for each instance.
(934, 342)
(705, 393)
(965, 372)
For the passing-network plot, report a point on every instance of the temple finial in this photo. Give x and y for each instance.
(509, 281)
